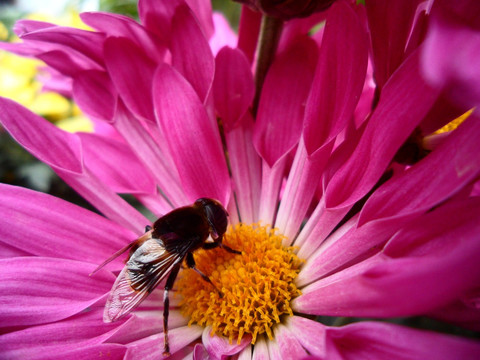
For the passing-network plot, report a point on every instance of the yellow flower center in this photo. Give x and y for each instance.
(257, 286)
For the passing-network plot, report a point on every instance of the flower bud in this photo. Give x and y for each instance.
(288, 9)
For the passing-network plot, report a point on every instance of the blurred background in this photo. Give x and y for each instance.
(20, 80)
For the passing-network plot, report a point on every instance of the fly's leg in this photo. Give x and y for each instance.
(148, 228)
(166, 304)
(213, 245)
(191, 264)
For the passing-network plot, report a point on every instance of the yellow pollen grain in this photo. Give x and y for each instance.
(257, 286)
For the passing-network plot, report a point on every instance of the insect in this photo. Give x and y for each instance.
(160, 252)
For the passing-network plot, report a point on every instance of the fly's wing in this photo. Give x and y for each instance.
(137, 242)
(147, 266)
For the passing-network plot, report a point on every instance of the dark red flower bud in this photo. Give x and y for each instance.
(288, 9)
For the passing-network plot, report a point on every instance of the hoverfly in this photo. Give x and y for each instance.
(160, 252)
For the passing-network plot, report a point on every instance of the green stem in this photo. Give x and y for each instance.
(270, 32)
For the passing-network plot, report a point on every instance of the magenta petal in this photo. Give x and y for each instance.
(77, 332)
(405, 101)
(88, 87)
(451, 52)
(36, 290)
(288, 344)
(390, 26)
(65, 38)
(63, 152)
(191, 54)
(433, 260)
(152, 347)
(65, 230)
(68, 63)
(99, 153)
(123, 26)
(460, 313)
(218, 347)
(339, 77)
(73, 351)
(233, 87)
(193, 138)
(131, 71)
(376, 340)
(310, 334)
(246, 168)
(455, 164)
(280, 112)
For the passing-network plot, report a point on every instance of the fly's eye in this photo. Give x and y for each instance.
(216, 216)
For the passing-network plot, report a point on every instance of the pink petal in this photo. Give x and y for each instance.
(64, 231)
(249, 28)
(245, 166)
(233, 87)
(399, 200)
(192, 137)
(455, 164)
(36, 290)
(145, 323)
(404, 102)
(461, 313)
(148, 146)
(288, 344)
(63, 152)
(376, 340)
(338, 80)
(152, 347)
(219, 347)
(80, 331)
(156, 16)
(433, 260)
(303, 178)
(191, 54)
(91, 85)
(280, 113)
(99, 153)
(114, 351)
(131, 71)
(67, 39)
(68, 63)
(260, 350)
(123, 26)
(390, 26)
(223, 35)
(452, 48)
(311, 334)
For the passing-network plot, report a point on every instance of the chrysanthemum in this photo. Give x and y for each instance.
(336, 205)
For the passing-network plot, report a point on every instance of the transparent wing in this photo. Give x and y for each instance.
(147, 266)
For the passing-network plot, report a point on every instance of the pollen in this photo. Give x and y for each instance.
(256, 287)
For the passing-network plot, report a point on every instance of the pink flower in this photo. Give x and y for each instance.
(378, 238)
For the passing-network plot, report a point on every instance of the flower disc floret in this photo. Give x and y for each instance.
(257, 286)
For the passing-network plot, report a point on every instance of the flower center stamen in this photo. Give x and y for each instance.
(257, 286)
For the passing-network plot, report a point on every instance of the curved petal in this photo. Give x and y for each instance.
(218, 347)
(91, 85)
(193, 139)
(63, 152)
(279, 119)
(376, 340)
(288, 344)
(310, 334)
(405, 101)
(116, 165)
(122, 26)
(131, 71)
(233, 87)
(390, 26)
(80, 331)
(64, 231)
(152, 347)
(191, 54)
(338, 80)
(36, 290)
(452, 47)
(433, 260)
